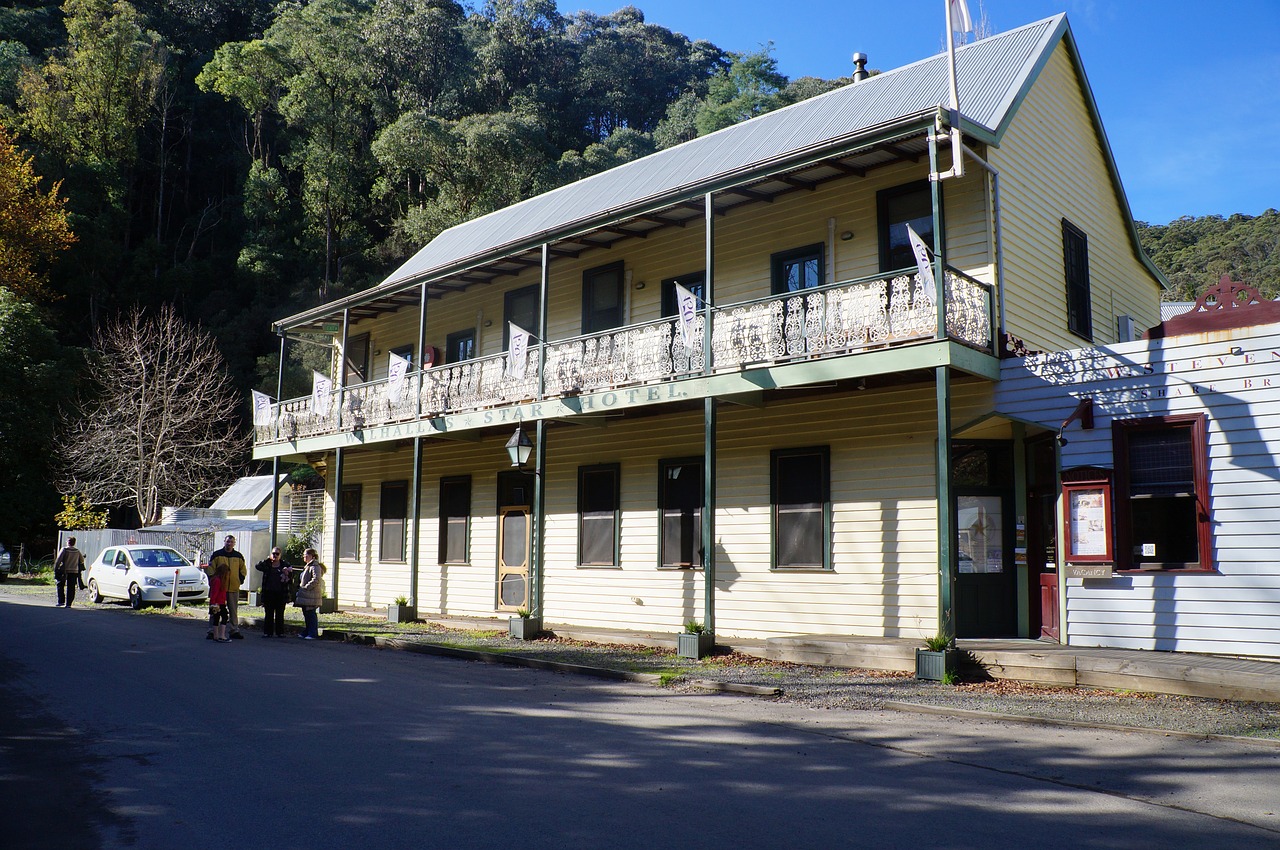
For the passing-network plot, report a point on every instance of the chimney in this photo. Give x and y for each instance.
(859, 67)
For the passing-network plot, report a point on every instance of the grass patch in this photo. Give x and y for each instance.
(667, 678)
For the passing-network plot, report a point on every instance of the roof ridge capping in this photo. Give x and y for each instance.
(995, 72)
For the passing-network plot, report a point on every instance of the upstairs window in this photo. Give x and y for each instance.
(694, 282)
(602, 298)
(393, 510)
(801, 499)
(357, 360)
(460, 346)
(1162, 484)
(799, 268)
(909, 204)
(520, 306)
(1075, 263)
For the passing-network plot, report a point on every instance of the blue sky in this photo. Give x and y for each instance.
(1189, 92)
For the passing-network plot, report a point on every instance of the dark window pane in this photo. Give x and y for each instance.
(797, 269)
(521, 307)
(460, 346)
(693, 282)
(800, 480)
(602, 298)
(800, 538)
(1168, 524)
(598, 535)
(455, 516)
(1075, 260)
(898, 207)
(597, 515)
(1161, 463)
(349, 528)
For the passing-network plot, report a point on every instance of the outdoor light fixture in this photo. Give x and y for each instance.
(1083, 412)
(519, 447)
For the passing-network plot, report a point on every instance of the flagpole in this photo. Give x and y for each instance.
(957, 156)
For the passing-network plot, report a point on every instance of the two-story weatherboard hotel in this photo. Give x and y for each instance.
(819, 450)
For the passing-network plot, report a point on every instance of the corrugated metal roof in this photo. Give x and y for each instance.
(992, 73)
(247, 494)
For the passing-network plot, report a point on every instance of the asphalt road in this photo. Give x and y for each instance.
(129, 731)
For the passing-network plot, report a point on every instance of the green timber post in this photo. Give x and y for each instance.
(540, 447)
(709, 425)
(275, 461)
(416, 496)
(338, 459)
(942, 381)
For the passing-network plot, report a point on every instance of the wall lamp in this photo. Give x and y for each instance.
(1083, 413)
(519, 447)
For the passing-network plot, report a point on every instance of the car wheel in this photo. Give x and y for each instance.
(135, 597)
(95, 595)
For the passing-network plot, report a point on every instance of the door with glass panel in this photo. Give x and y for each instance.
(680, 504)
(515, 539)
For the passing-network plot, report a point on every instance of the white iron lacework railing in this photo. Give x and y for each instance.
(828, 321)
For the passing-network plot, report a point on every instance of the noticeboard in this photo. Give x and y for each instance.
(1088, 533)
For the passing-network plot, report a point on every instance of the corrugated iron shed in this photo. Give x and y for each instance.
(247, 494)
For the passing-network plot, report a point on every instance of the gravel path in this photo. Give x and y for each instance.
(820, 688)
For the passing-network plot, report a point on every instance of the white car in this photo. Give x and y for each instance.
(143, 574)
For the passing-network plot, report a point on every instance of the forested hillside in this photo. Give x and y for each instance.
(1194, 253)
(244, 159)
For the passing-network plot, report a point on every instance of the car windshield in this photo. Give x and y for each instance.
(158, 558)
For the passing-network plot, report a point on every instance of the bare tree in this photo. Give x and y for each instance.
(163, 427)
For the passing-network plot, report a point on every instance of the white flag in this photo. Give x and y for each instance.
(922, 259)
(397, 368)
(261, 409)
(516, 350)
(321, 394)
(958, 11)
(687, 311)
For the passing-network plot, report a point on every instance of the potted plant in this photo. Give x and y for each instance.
(695, 641)
(524, 626)
(401, 611)
(939, 660)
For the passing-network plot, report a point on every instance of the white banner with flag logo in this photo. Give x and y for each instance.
(397, 368)
(922, 260)
(261, 409)
(686, 311)
(321, 394)
(516, 351)
(958, 11)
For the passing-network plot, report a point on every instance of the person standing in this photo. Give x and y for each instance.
(275, 592)
(236, 574)
(218, 615)
(67, 571)
(310, 594)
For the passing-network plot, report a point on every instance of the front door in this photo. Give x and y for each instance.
(515, 539)
(1042, 536)
(986, 587)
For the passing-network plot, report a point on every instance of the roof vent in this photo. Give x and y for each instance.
(860, 67)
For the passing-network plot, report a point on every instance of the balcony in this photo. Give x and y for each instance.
(836, 320)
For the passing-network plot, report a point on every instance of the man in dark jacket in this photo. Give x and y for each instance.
(67, 569)
(236, 574)
(275, 592)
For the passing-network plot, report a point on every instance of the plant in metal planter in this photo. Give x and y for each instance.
(401, 611)
(695, 641)
(939, 660)
(524, 626)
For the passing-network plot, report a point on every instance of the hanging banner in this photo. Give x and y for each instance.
(321, 394)
(922, 260)
(516, 351)
(397, 368)
(261, 409)
(958, 12)
(687, 311)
